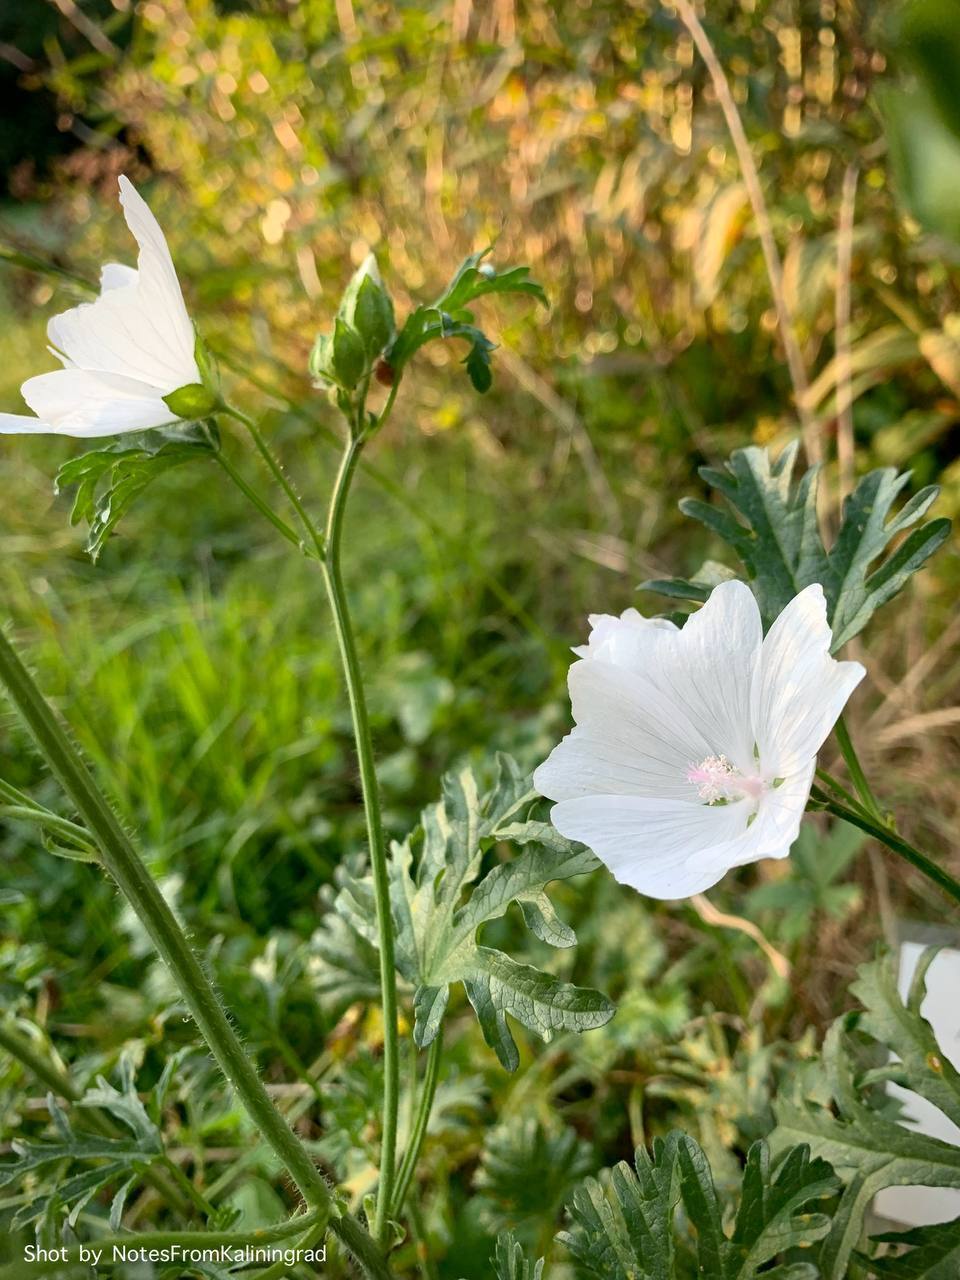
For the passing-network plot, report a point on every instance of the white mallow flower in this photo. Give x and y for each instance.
(694, 750)
(121, 354)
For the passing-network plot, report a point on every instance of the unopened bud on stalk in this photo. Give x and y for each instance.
(364, 327)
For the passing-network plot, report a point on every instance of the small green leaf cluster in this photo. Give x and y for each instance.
(364, 339)
(450, 316)
(441, 900)
(773, 529)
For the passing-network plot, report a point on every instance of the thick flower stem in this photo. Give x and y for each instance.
(333, 580)
(421, 1120)
(124, 865)
(942, 879)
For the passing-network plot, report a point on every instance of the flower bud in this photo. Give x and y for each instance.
(366, 307)
(363, 329)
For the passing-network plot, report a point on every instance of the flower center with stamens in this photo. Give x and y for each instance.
(718, 781)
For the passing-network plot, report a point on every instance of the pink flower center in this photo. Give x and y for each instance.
(717, 781)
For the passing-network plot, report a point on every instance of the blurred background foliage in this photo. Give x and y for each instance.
(278, 143)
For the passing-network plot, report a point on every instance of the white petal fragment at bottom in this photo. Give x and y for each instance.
(663, 848)
(73, 402)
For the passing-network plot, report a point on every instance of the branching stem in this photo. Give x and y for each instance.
(887, 836)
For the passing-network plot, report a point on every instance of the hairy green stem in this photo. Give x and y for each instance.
(125, 866)
(942, 879)
(336, 592)
(262, 506)
(419, 1128)
(313, 534)
(23, 806)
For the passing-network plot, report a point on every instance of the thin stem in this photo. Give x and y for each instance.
(857, 775)
(336, 592)
(261, 504)
(942, 879)
(169, 1240)
(419, 1128)
(842, 793)
(125, 866)
(771, 256)
(278, 473)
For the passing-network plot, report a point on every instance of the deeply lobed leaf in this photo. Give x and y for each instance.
(438, 913)
(852, 1129)
(624, 1227)
(110, 479)
(774, 532)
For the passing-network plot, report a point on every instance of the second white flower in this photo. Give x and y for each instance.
(694, 749)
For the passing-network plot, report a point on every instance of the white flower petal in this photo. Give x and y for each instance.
(75, 402)
(18, 424)
(158, 282)
(138, 327)
(799, 690)
(116, 275)
(716, 656)
(631, 739)
(630, 641)
(663, 848)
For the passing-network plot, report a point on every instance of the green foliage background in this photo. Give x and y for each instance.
(278, 144)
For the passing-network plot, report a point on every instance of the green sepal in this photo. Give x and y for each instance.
(349, 357)
(192, 402)
(367, 308)
(208, 368)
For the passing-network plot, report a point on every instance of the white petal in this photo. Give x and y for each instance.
(116, 275)
(663, 848)
(772, 832)
(717, 652)
(138, 327)
(159, 284)
(16, 424)
(631, 739)
(629, 641)
(75, 402)
(799, 690)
